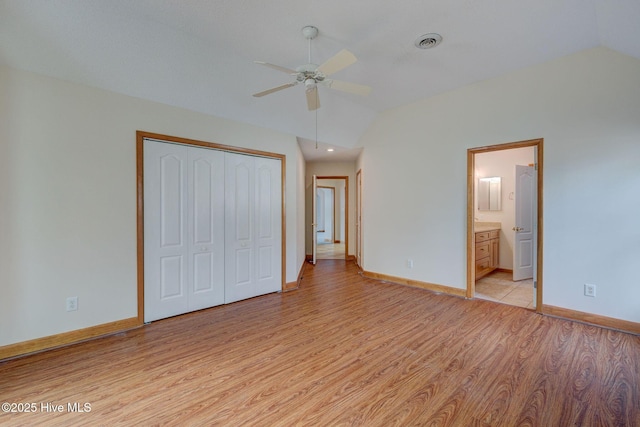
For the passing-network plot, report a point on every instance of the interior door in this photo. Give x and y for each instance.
(205, 233)
(165, 229)
(314, 221)
(359, 218)
(183, 229)
(524, 247)
(253, 226)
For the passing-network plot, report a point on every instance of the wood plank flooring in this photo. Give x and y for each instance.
(330, 251)
(341, 350)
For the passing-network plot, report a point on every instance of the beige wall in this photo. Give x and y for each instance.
(587, 108)
(68, 200)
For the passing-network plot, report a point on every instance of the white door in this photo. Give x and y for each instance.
(359, 218)
(524, 247)
(314, 221)
(253, 226)
(206, 228)
(183, 229)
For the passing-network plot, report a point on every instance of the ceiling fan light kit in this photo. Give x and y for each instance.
(311, 74)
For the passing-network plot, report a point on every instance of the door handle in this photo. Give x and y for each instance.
(517, 229)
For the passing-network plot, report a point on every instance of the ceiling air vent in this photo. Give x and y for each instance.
(428, 41)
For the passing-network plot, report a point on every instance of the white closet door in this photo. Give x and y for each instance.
(183, 229)
(253, 226)
(165, 229)
(206, 228)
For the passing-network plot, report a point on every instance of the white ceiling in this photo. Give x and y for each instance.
(199, 54)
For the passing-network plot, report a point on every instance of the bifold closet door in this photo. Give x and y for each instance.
(253, 217)
(183, 229)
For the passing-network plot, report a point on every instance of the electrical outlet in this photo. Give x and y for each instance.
(72, 303)
(589, 290)
(409, 263)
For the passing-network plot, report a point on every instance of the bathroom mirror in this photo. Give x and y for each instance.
(489, 194)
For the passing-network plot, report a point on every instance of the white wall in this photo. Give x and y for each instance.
(587, 108)
(68, 203)
(331, 169)
(503, 164)
(325, 213)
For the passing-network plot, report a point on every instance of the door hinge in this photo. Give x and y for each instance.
(535, 284)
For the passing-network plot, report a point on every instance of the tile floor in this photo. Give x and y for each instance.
(498, 286)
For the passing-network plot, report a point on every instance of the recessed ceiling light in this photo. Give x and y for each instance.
(329, 149)
(428, 41)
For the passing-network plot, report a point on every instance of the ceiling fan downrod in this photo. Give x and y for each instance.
(310, 32)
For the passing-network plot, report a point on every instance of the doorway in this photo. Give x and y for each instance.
(504, 230)
(330, 205)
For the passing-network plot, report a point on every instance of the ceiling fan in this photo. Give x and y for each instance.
(311, 74)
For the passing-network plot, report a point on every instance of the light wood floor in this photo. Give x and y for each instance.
(341, 350)
(330, 251)
(499, 286)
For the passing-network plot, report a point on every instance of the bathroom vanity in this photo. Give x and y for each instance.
(487, 247)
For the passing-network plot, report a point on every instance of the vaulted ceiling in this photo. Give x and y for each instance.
(199, 54)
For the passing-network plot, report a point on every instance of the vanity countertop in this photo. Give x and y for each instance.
(486, 226)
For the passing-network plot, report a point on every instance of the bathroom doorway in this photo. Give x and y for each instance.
(504, 223)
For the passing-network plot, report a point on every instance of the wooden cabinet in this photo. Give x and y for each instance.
(487, 252)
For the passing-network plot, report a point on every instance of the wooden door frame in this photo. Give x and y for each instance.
(471, 200)
(346, 209)
(140, 137)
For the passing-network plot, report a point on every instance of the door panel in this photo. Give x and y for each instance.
(238, 218)
(314, 220)
(264, 203)
(165, 229)
(242, 192)
(523, 241)
(184, 235)
(206, 228)
(203, 273)
(265, 262)
(172, 194)
(254, 226)
(268, 215)
(171, 277)
(202, 202)
(243, 267)
(359, 218)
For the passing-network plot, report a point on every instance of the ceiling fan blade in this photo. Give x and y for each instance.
(348, 87)
(313, 101)
(273, 89)
(277, 67)
(340, 60)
